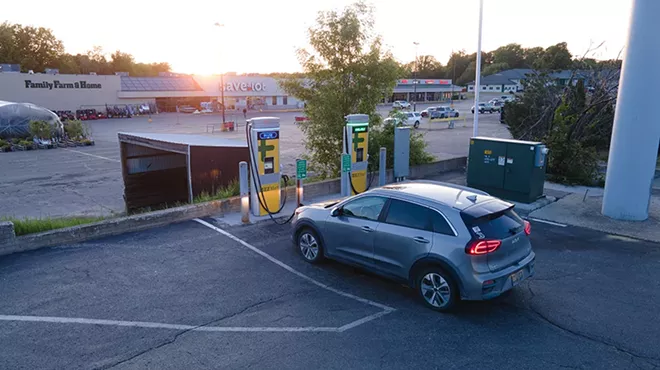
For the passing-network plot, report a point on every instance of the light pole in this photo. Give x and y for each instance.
(453, 78)
(477, 79)
(415, 79)
(222, 83)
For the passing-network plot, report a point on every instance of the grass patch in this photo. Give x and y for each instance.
(36, 225)
(231, 190)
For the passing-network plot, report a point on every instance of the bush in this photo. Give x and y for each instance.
(383, 136)
(25, 143)
(41, 129)
(75, 129)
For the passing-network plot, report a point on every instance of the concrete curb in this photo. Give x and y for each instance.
(9, 243)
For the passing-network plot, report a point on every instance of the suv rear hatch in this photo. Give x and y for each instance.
(496, 220)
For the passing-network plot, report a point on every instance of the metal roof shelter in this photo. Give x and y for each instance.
(160, 169)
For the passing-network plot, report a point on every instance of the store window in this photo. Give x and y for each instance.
(285, 100)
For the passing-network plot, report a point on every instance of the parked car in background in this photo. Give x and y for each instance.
(484, 107)
(412, 119)
(447, 242)
(443, 112)
(427, 112)
(497, 105)
(401, 104)
(187, 109)
(507, 98)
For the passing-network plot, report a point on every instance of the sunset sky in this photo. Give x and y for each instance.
(262, 36)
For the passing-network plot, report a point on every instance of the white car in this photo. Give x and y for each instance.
(412, 119)
(401, 104)
(443, 112)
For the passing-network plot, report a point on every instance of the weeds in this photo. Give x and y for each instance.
(36, 225)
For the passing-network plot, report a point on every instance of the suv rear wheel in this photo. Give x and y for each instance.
(437, 289)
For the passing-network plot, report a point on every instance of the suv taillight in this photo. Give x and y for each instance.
(479, 247)
(528, 228)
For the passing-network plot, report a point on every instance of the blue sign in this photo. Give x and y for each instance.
(268, 135)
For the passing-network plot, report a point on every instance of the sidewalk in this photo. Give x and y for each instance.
(585, 211)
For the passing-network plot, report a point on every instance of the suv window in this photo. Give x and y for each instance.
(499, 225)
(440, 224)
(409, 215)
(366, 207)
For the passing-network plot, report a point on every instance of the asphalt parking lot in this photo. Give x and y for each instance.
(192, 296)
(87, 180)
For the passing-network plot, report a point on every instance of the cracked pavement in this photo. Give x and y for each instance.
(592, 305)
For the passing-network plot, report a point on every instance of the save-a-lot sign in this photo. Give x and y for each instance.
(60, 85)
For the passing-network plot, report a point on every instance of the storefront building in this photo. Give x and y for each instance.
(428, 90)
(73, 92)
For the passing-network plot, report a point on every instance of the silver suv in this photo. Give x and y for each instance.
(446, 241)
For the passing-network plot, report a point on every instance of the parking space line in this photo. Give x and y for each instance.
(202, 328)
(158, 325)
(294, 271)
(92, 155)
(547, 222)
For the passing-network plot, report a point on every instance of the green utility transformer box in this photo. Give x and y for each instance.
(509, 169)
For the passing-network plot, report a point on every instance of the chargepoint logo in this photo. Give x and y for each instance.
(245, 86)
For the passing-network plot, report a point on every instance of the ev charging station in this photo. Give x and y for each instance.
(356, 143)
(263, 134)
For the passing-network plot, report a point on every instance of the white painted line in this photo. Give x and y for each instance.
(548, 222)
(199, 328)
(294, 271)
(158, 325)
(93, 155)
(364, 320)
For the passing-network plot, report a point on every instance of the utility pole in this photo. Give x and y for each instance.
(415, 79)
(635, 135)
(477, 79)
(222, 83)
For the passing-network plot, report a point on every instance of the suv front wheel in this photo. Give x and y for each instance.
(309, 246)
(437, 289)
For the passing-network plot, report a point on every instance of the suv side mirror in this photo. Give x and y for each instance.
(336, 212)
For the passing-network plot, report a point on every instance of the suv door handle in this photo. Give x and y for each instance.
(419, 239)
(367, 229)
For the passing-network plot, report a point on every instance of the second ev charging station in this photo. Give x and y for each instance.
(263, 141)
(356, 143)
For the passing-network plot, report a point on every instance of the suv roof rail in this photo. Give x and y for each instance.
(455, 186)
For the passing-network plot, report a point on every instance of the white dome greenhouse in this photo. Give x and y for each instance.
(15, 119)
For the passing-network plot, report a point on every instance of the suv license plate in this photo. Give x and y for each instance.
(516, 277)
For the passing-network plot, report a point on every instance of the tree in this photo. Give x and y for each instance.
(37, 48)
(495, 68)
(555, 57)
(33, 48)
(426, 66)
(512, 55)
(573, 124)
(121, 62)
(347, 72)
(532, 56)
